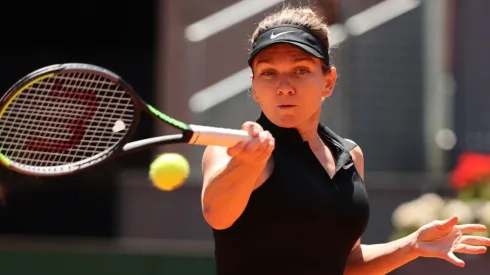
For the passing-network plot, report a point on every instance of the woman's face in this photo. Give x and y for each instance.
(289, 84)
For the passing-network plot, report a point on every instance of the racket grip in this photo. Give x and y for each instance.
(206, 135)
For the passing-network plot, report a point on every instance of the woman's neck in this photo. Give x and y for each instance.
(309, 131)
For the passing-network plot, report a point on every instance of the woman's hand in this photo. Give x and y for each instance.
(441, 239)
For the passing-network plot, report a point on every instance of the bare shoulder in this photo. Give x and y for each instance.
(358, 158)
(357, 151)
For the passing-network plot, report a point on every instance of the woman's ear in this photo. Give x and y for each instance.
(254, 95)
(330, 79)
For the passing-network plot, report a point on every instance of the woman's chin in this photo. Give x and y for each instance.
(286, 121)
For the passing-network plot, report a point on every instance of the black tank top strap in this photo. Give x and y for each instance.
(342, 146)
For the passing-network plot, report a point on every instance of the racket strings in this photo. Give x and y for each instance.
(64, 119)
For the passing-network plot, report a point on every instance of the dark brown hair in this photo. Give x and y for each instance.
(299, 16)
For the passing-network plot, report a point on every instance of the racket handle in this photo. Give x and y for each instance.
(206, 135)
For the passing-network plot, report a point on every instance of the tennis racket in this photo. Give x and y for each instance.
(65, 118)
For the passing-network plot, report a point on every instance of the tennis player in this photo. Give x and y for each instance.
(293, 200)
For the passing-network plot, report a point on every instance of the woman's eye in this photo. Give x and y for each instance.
(302, 71)
(267, 73)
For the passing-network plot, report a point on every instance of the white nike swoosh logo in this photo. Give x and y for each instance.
(281, 33)
(348, 166)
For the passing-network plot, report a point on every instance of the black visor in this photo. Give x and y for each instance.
(293, 35)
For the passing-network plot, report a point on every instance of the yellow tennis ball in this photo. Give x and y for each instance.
(169, 171)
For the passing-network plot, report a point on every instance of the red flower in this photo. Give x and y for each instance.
(470, 168)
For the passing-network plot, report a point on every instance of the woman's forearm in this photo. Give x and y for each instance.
(381, 258)
(228, 191)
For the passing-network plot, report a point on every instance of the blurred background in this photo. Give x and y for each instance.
(412, 93)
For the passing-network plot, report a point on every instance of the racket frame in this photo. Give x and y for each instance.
(191, 134)
(26, 81)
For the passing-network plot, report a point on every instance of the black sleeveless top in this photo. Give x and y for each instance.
(300, 221)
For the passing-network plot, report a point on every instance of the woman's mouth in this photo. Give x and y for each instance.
(286, 106)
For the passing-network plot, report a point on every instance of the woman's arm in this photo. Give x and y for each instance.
(227, 186)
(231, 174)
(381, 258)
(437, 239)
(378, 258)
